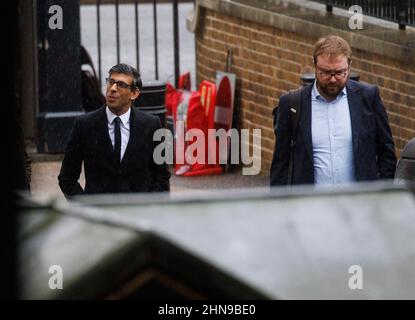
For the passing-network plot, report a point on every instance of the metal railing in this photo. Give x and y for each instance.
(137, 31)
(399, 11)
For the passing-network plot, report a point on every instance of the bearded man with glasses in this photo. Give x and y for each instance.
(115, 144)
(340, 134)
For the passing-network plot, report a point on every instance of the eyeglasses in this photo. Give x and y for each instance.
(327, 74)
(120, 84)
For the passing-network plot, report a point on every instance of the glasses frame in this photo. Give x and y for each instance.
(120, 84)
(327, 74)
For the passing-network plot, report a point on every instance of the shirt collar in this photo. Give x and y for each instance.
(315, 94)
(125, 118)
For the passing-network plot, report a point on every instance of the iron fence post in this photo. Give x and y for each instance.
(117, 26)
(137, 37)
(99, 41)
(402, 14)
(155, 39)
(176, 42)
(329, 6)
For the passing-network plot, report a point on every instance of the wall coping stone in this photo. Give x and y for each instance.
(307, 18)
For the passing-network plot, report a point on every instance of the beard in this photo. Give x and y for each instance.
(331, 89)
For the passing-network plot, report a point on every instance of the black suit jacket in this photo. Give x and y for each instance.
(90, 143)
(373, 146)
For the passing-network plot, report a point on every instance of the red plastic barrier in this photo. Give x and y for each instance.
(185, 82)
(172, 99)
(193, 110)
(207, 92)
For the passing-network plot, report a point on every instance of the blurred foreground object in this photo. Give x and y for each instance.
(405, 170)
(240, 244)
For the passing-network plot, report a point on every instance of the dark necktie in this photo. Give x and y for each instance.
(117, 140)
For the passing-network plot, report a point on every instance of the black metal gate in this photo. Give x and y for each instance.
(59, 91)
(136, 31)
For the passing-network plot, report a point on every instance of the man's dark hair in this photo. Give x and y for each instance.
(131, 71)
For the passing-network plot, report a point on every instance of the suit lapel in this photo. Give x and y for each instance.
(355, 108)
(305, 120)
(103, 134)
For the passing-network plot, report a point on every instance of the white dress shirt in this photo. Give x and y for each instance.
(332, 139)
(125, 128)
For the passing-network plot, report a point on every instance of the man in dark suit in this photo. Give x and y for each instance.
(115, 143)
(342, 134)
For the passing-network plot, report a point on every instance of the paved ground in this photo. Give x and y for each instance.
(45, 182)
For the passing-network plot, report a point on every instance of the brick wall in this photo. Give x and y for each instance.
(268, 61)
